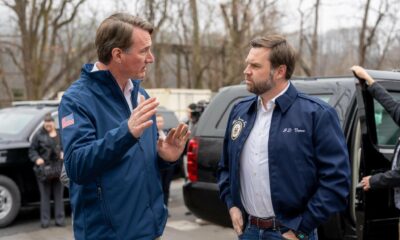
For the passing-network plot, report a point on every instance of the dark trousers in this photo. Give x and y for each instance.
(46, 188)
(166, 178)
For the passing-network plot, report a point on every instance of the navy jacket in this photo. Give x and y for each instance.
(308, 159)
(115, 187)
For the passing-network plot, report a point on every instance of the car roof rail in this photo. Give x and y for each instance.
(40, 103)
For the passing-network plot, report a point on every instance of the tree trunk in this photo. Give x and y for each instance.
(196, 48)
(362, 49)
(314, 44)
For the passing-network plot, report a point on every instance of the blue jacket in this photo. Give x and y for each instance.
(115, 187)
(308, 159)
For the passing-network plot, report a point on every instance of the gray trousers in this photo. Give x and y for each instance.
(46, 188)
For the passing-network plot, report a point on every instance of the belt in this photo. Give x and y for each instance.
(264, 223)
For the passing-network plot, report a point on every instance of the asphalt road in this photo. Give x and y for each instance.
(180, 226)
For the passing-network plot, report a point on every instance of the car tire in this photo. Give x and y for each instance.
(10, 200)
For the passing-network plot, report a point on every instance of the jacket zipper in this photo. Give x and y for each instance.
(103, 206)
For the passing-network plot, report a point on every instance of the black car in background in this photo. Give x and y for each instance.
(371, 136)
(18, 186)
(170, 119)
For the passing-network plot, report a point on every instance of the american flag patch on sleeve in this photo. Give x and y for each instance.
(67, 121)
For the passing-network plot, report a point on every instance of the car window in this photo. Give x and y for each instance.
(12, 123)
(386, 129)
(222, 123)
(170, 120)
(323, 97)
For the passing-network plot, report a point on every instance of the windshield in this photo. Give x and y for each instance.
(12, 123)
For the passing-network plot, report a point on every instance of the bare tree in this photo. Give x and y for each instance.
(242, 23)
(235, 25)
(156, 11)
(40, 24)
(309, 67)
(387, 44)
(6, 90)
(302, 38)
(367, 34)
(196, 48)
(314, 41)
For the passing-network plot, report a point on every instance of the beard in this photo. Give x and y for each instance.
(261, 87)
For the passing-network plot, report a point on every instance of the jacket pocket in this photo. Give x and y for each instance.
(105, 212)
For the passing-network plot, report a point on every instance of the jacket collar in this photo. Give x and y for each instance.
(283, 102)
(102, 76)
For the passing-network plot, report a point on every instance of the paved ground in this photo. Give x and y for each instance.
(180, 225)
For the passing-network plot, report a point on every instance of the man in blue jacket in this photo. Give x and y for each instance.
(112, 155)
(284, 167)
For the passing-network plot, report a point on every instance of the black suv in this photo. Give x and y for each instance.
(18, 186)
(370, 133)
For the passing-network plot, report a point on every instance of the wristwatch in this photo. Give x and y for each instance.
(300, 235)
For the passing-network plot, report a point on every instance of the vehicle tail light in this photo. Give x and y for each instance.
(192, 154)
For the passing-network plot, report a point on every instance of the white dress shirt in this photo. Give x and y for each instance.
(255, 188)
(127, 90)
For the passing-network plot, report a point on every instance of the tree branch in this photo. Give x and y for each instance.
(14, 59)
(74, 12)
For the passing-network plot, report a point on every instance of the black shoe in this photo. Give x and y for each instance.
(60, 224)
(44, 225)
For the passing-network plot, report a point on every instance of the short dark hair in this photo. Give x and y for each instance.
(282, 53)
(192, 107)
(48, 118)
(116, 32)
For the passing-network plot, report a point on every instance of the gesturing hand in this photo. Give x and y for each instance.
(140, 117)
(237, 220)
(171, 148)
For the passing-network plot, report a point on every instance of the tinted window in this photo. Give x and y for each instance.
(386, 129)
(170, 120)
(323, 97)
(12, 123)
(222, 122)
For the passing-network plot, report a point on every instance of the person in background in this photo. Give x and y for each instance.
(191, 116)
(46, 148)
(390, 178)
(195, 110)
(284, 168)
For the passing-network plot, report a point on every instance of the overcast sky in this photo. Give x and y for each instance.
(333, 14)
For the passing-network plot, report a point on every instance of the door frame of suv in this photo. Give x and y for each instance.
(375, 211)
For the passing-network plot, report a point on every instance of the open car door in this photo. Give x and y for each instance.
(377, 217)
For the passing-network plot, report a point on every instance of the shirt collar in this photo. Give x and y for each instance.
(129, 85)
(95, 68)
